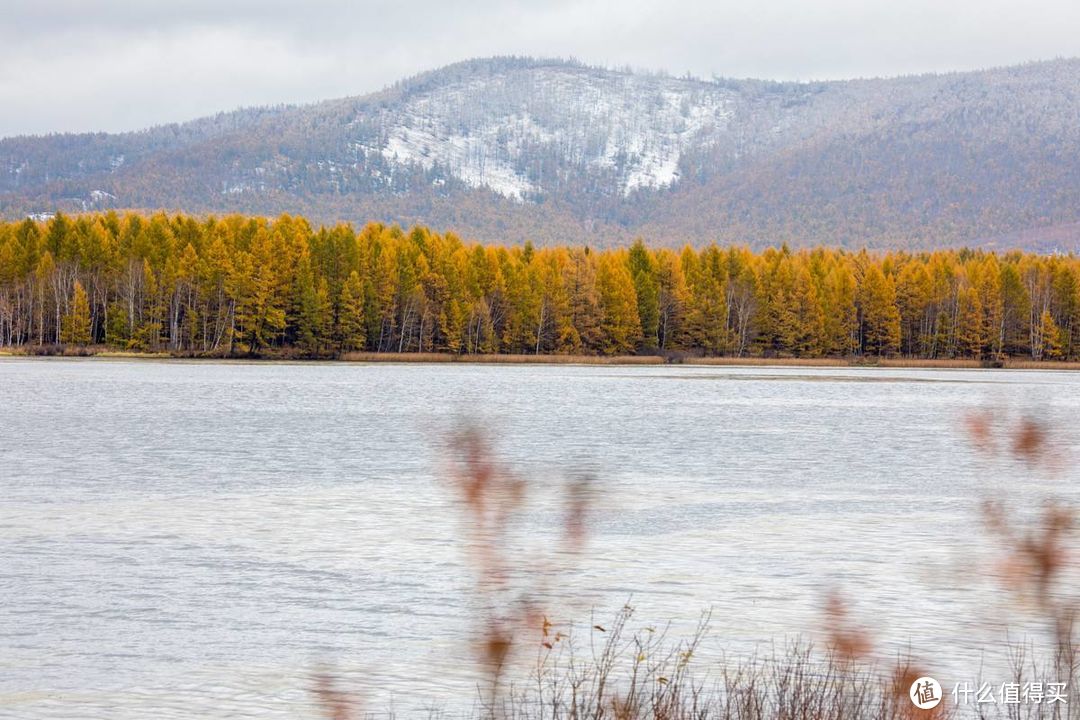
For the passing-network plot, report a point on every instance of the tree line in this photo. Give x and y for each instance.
(240, 285)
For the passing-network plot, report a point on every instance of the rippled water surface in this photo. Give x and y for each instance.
(196, 539)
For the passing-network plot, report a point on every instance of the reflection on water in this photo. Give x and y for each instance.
(198, 539)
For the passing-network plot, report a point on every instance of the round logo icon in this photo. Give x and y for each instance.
(925, 693)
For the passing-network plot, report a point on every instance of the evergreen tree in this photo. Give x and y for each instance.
(970, 328)
(839, 313)
(810, 321)
(671, 299)
(315, 319)
(585, 304)
(1047, 345)
(76, 322)
(646, 287)
(620, 325)
(880, 317)
(913, 298)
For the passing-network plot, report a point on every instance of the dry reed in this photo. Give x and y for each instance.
(643, 675)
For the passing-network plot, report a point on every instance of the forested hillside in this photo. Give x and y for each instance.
(515, 149)
(240, 285)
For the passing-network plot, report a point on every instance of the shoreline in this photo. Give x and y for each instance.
(547, 359)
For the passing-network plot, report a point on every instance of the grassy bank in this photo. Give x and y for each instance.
(103, 351)
(505, 359)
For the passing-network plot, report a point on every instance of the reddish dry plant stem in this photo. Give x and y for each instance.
(492, 497)
(1029, 441)
(845, 640)
(1035, 556)
(334, 703)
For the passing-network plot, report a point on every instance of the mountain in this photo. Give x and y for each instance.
(516, 148)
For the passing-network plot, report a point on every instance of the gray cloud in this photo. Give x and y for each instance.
(77, 65)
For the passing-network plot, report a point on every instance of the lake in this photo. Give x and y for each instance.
(196, 539)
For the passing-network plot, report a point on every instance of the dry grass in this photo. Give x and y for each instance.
(496, 359)
(644, 675)
(892, 362)
(757, 361)
(942, 363)
(957, 363)
(103, 351)
(503, 359)
(1021, 364)
(608, 672)
(132, 354)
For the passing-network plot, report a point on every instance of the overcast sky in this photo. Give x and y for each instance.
(75, 65)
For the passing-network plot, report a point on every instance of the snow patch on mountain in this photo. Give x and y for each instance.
(464, 156)
(516, 132)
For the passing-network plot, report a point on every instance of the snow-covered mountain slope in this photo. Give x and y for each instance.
(515, 148)
(497, 132)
